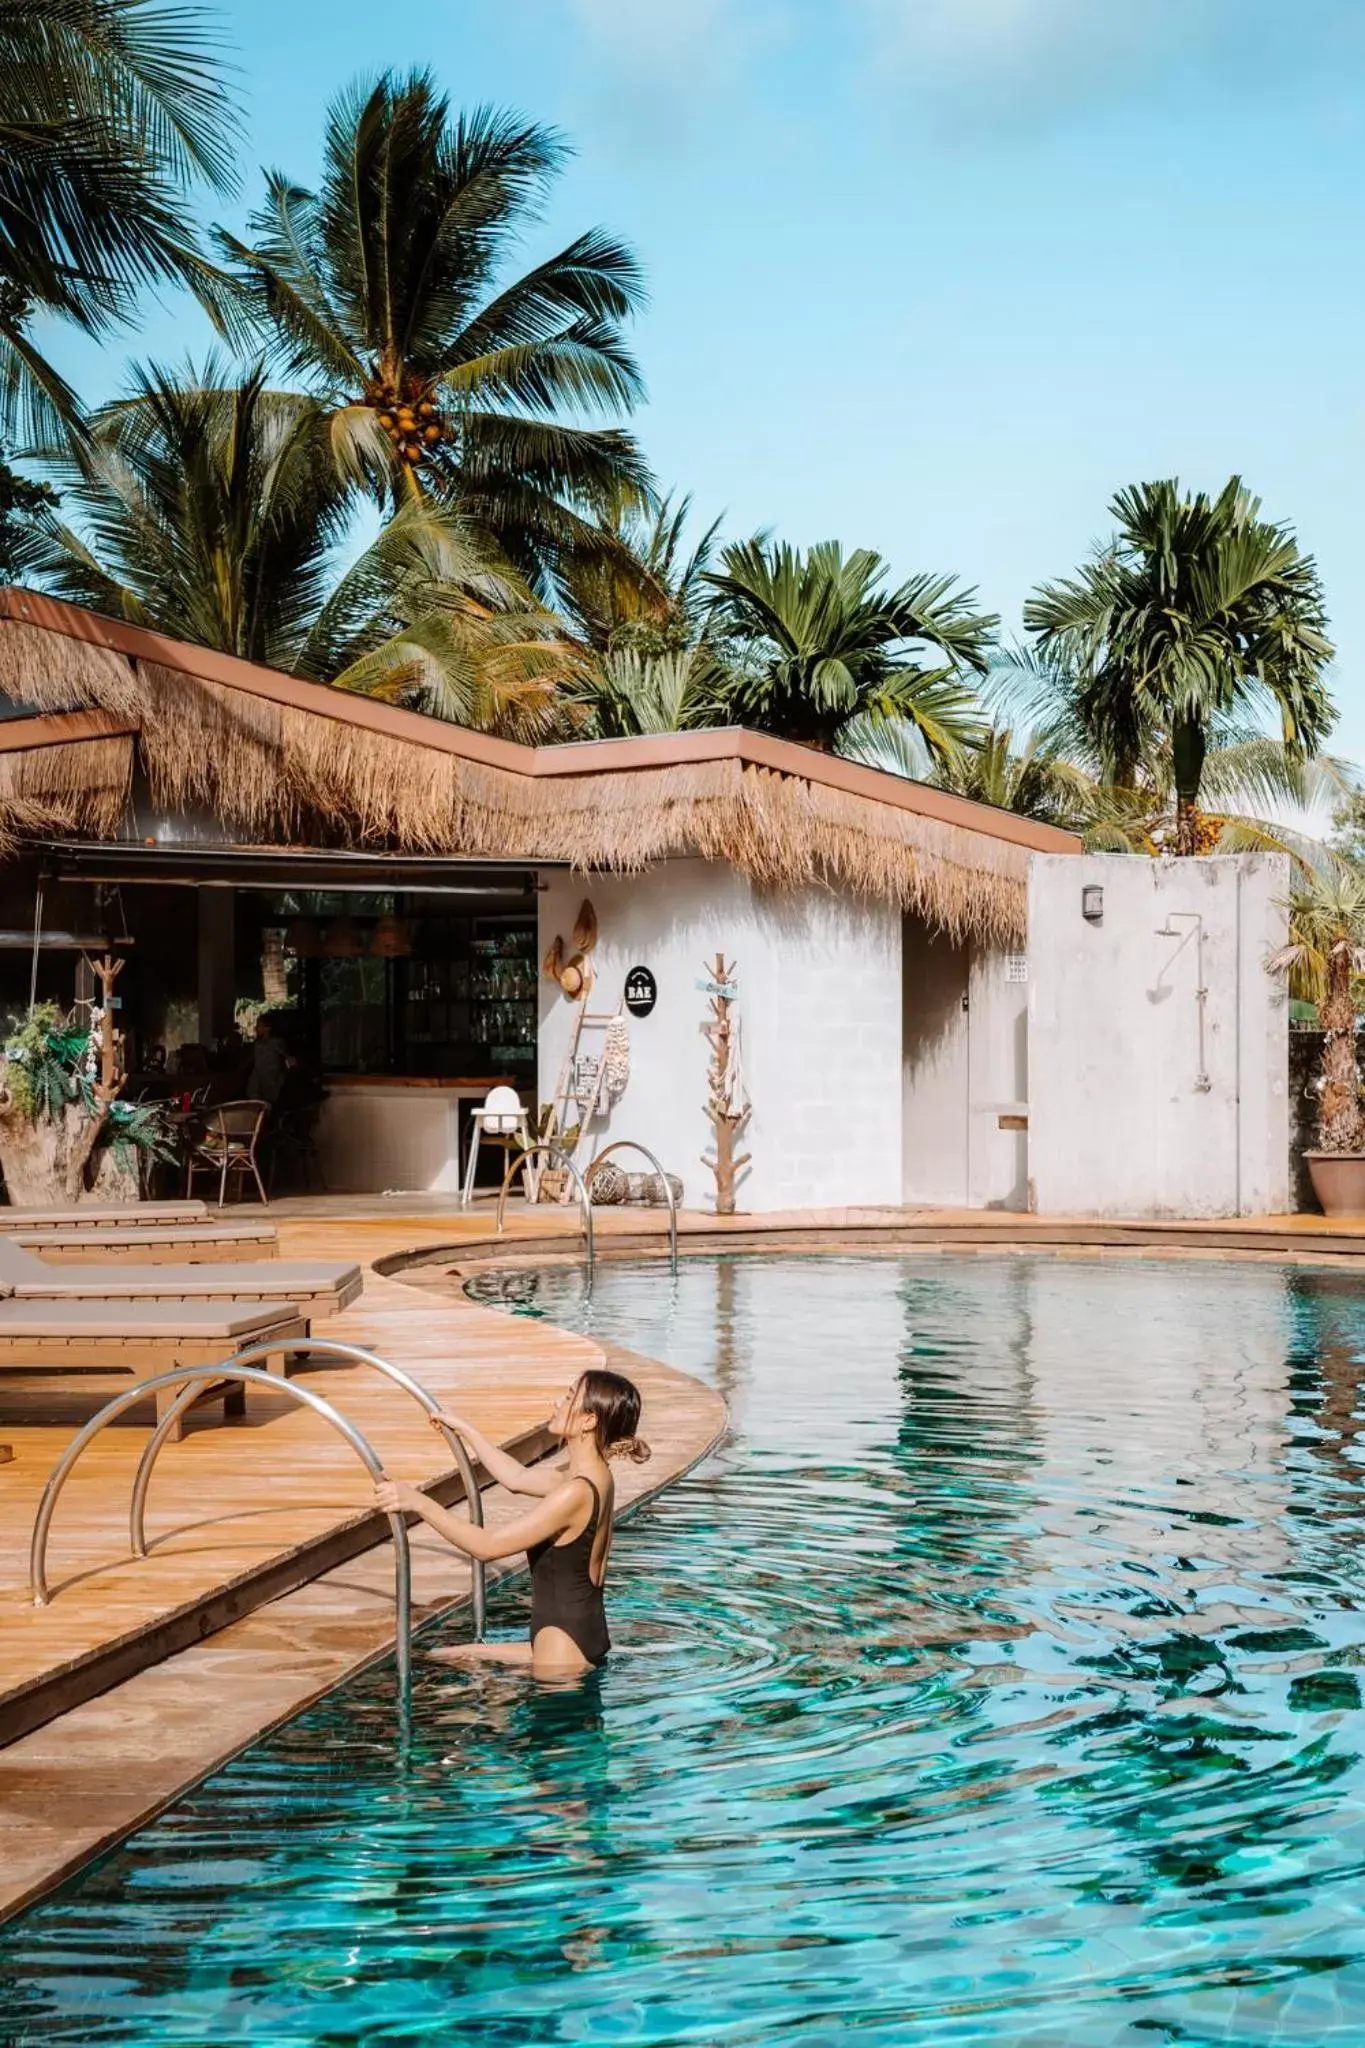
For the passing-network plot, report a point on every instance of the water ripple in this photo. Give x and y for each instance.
(997, 1682)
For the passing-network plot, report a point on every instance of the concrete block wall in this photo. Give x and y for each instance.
(1126, 1117)
(820, 1007)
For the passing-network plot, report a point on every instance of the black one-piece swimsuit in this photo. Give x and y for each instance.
(563, 1595)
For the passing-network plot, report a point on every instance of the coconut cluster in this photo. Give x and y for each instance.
(411, 418)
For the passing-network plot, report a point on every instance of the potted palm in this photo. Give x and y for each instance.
(1322, 959)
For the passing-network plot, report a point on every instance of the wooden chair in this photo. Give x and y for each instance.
(227, 1145)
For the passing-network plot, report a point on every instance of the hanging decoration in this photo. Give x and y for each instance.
(573, 969)
(616, 1059)
(727, 1098)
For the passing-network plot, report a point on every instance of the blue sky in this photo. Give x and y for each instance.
(931, 276)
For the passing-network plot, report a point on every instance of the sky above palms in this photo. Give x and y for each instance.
(930, 276)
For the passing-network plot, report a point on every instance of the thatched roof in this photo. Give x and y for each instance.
(284, 762)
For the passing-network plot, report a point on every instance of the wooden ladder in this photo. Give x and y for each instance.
(582, 1079)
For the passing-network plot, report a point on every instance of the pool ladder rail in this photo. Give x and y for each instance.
(582, 1188)
(191, 1380)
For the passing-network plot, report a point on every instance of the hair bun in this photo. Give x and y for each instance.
(633, 1447)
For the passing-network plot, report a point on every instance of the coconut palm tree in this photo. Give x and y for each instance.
(1321, 960)
(823, 645)
(383, 289)
(1197, 611)
(111, 110)
(214, 512)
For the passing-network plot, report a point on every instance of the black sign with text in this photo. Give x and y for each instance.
(642, 992)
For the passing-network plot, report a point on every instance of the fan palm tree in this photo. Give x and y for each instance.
(650, 593)
(823, 645)
(1247, 777)
(1026, 778)
(214, 512)
(1321, 960)
(111, 109)
(1198, 610)
(382, 290)
(627, 692)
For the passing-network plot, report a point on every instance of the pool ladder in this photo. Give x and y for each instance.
(581, 1187)
(191, 1381)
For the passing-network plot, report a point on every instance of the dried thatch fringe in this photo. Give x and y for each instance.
(57, 673)
(268, 769)
(76, 789)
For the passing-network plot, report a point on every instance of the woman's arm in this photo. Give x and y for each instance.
(537, 1525)
(507, 1470)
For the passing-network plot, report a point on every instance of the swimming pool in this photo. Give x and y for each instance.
(996, 1682)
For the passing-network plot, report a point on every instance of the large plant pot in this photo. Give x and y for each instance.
(1338, 1181)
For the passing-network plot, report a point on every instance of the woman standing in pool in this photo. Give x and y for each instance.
(567, 1538)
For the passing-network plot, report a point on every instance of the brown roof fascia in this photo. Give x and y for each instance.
(589, 757)
(61, 729)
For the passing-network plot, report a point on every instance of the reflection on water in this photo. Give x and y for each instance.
(996, 1682)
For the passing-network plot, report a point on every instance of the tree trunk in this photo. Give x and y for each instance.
(47, 1161)
(1339, 1120)
(1188, 746)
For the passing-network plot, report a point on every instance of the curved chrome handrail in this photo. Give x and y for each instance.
(629, 1145)
(248, 1376)
(558, 1152)
(317, 1347)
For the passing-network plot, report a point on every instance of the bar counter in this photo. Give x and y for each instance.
(395, 1131)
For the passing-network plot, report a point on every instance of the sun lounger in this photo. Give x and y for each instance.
(88, 1215)
(319, 1287)
(177, 1244)
(60, 1360)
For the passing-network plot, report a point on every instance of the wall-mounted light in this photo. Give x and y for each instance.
(1092, 903)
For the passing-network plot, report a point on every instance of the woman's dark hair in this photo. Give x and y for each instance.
(614, 1405)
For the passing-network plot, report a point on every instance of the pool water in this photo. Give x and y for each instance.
(997, 1681)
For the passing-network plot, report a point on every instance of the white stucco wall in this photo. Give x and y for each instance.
(820, 1002)
(965, 1026)
(1117, 1123)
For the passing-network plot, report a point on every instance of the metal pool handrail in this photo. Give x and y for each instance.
(353, 1354)
(248, 1376)
(558, 1152)
(630, 1145)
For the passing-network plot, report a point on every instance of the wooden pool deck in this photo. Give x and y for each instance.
(270, 1575)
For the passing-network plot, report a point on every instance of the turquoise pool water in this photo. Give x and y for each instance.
(996, 1682)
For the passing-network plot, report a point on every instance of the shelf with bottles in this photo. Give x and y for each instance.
(504, 1022)
(502, 977)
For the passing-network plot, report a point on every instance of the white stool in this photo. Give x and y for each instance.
(501, 1116)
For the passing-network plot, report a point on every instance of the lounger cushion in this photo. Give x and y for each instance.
(85, 1214)
(95, 1320)
(180, 1243)
(262, 1280)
